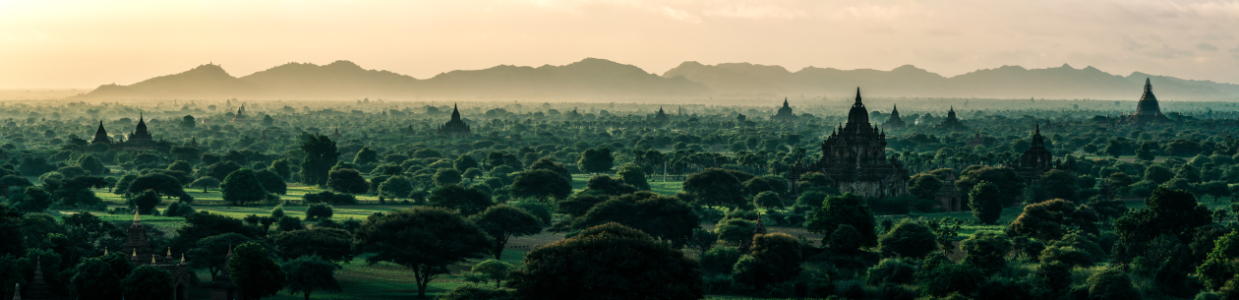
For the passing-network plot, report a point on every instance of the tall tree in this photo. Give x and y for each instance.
(328, 243)
(502, 222)
(396, 187)
(95, 279)
(212, 252)
(347, 181)
(253, 270)
(148, 283)
(715, 187)
(425, 240)
(468, 201)
(243, 188)
(634, 175)
(540, 184)
(986, 202)
(320, 155)
(847, 209)
(597, 160)
(309, 273)
(608, 262)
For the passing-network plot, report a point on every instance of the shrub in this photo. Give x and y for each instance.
(1111, 284)
(317, 211)
(891, 271)
(768, 200)
(908, 239)
(946, 278)
(720, 259)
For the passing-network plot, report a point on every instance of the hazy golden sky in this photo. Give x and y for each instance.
(82, 44)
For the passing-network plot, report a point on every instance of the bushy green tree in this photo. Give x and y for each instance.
(908, 239)
(986, 202)
(444, 238)
(147, 283)
(608, 261)
(775, 258)
(495, 269)
(502, 222)
(309, 273)
(715, 187)
(347, 181)
(633, 174)
(320, 155)
(243, 188)
(328, 243)
(847, 209)
(596, 160)
(254, 272)
(987, 250)
(540, 184)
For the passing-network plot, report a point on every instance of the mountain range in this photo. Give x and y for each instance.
(593, 78)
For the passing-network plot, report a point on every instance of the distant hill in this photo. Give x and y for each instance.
(1065, 82)
(604, 79)
(346, 80)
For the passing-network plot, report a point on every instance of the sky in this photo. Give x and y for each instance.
(84, 44)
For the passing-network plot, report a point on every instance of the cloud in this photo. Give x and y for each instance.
(1206, 47)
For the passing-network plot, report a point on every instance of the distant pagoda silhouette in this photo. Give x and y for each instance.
(951, 122)
(455, 128)
(661, 117)
(785, 113)
(894, 122)
(1147, 110)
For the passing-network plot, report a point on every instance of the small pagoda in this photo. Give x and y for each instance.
(894, 122)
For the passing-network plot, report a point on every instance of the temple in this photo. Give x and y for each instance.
(1036, 160)
(661, 117)
(240, 117)
(854, 157)
(139, 139)
(455, 128)
(951, 122)
(141, 254)
(1147, 110)
(894, 122)
(784, 114)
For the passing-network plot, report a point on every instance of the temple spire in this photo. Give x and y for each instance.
(136, 219)
(858, 96)
(784, 104)
(1148, 85)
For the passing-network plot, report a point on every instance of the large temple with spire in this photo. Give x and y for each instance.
(854, 157)
(1147, 110)
(785, 113)
(455, 128)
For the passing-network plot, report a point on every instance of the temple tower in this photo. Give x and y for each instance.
(785, 113)
(455, 128)
(854, 157)
(894, 122)
(1147, 110)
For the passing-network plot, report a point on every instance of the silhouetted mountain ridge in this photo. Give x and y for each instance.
(1064, 82)
(600, 78)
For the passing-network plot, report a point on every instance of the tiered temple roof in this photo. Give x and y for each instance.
(854, 156)
(894, 121)
(785, 113)
(1147, 110)
(455, 127)
(951, 122)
